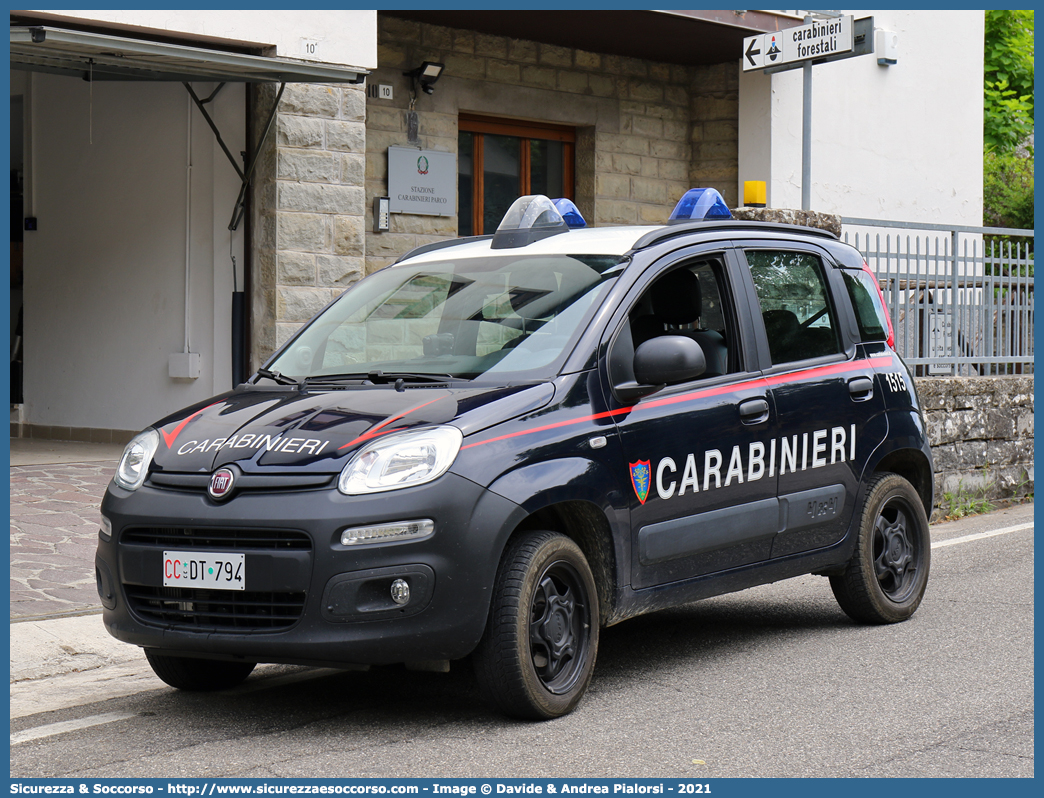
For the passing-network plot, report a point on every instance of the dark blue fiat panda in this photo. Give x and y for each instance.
(499, 445)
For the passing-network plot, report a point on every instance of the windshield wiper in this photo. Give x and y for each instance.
(379, 377)
(276, 377)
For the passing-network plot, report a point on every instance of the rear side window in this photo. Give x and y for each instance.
(798, 318)
(870, 313)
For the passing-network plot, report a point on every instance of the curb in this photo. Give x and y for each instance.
(42, 649)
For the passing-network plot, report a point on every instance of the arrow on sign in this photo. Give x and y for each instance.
(751, 52)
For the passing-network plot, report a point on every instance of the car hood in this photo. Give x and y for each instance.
(278, 429)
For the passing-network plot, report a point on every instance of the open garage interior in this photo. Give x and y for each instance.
(130, 260)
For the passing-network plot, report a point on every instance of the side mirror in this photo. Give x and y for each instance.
(662, 361)
(668, 359)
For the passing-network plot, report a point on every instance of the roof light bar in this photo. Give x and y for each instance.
(570, 213)
(529, 219)
(700, 204)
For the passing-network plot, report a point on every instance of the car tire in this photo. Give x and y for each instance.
(885, 580)
(198, 675)
(538, 652)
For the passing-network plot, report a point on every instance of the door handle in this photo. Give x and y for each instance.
(861, 388)
(754, 411)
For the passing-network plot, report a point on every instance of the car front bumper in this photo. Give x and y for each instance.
(308, 599)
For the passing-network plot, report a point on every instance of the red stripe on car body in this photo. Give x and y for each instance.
(375, 431)
(818, 371)
(173, 436)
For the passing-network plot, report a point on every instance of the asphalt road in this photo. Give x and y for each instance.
(771, 682)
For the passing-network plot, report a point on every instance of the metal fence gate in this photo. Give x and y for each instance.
(960, 298)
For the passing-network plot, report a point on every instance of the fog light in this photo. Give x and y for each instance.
(106, 529)
(400, 592)
(397, 530)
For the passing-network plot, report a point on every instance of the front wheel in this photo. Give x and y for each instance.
(197, 675)
(537, 655)
(888, 573)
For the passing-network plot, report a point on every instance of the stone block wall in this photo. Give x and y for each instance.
(386, 127)
(981, 430)
(830, 222)
(309, 212)
(715, 130)
(645, 130)
(262, 297)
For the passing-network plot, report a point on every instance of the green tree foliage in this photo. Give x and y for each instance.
(1007, 182)
(1008, 79)
(1008, 121)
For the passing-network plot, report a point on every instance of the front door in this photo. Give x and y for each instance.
(702, 496)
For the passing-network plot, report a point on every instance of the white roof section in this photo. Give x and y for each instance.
(585, 241)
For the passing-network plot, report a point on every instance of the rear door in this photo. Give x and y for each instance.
(829, 413)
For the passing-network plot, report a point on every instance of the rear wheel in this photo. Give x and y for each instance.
(197, 675)
(537, 655)
(888, 573)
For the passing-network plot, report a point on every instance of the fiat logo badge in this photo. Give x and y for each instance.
(221, 483)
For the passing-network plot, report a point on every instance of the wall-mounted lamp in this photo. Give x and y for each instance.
(426, 75)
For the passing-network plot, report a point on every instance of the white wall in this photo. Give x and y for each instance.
(901, 143)
(105, 272)
(346, 37)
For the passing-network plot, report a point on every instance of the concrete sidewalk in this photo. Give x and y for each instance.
(42, 649)
(71, 661)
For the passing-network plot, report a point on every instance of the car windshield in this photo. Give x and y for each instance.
(498, 314)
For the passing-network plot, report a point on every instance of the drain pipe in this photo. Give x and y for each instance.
(188, 213)
(239, 374)
(185, 364)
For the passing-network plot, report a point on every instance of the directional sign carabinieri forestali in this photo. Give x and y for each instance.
(817, 40)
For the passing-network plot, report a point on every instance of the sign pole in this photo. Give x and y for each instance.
(806, 137)
(806, 133)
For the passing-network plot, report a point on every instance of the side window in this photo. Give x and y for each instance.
(795, 306)
(870, 313)
(688, 301)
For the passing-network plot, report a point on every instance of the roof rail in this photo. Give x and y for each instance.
(674, 230)
(451, 242)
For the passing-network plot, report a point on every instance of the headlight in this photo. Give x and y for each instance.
(401, 461)
(134, 464)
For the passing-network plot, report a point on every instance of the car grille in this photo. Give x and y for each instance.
(217, 610)
(223, 539)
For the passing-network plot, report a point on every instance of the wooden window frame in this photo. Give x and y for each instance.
(525, 132)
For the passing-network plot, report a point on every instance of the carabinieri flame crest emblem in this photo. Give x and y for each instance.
(641, 473)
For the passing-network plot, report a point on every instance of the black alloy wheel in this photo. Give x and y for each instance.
(895, 550)
(559, 616)
(537, 655)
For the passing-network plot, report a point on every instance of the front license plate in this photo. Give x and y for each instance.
(214, 570)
